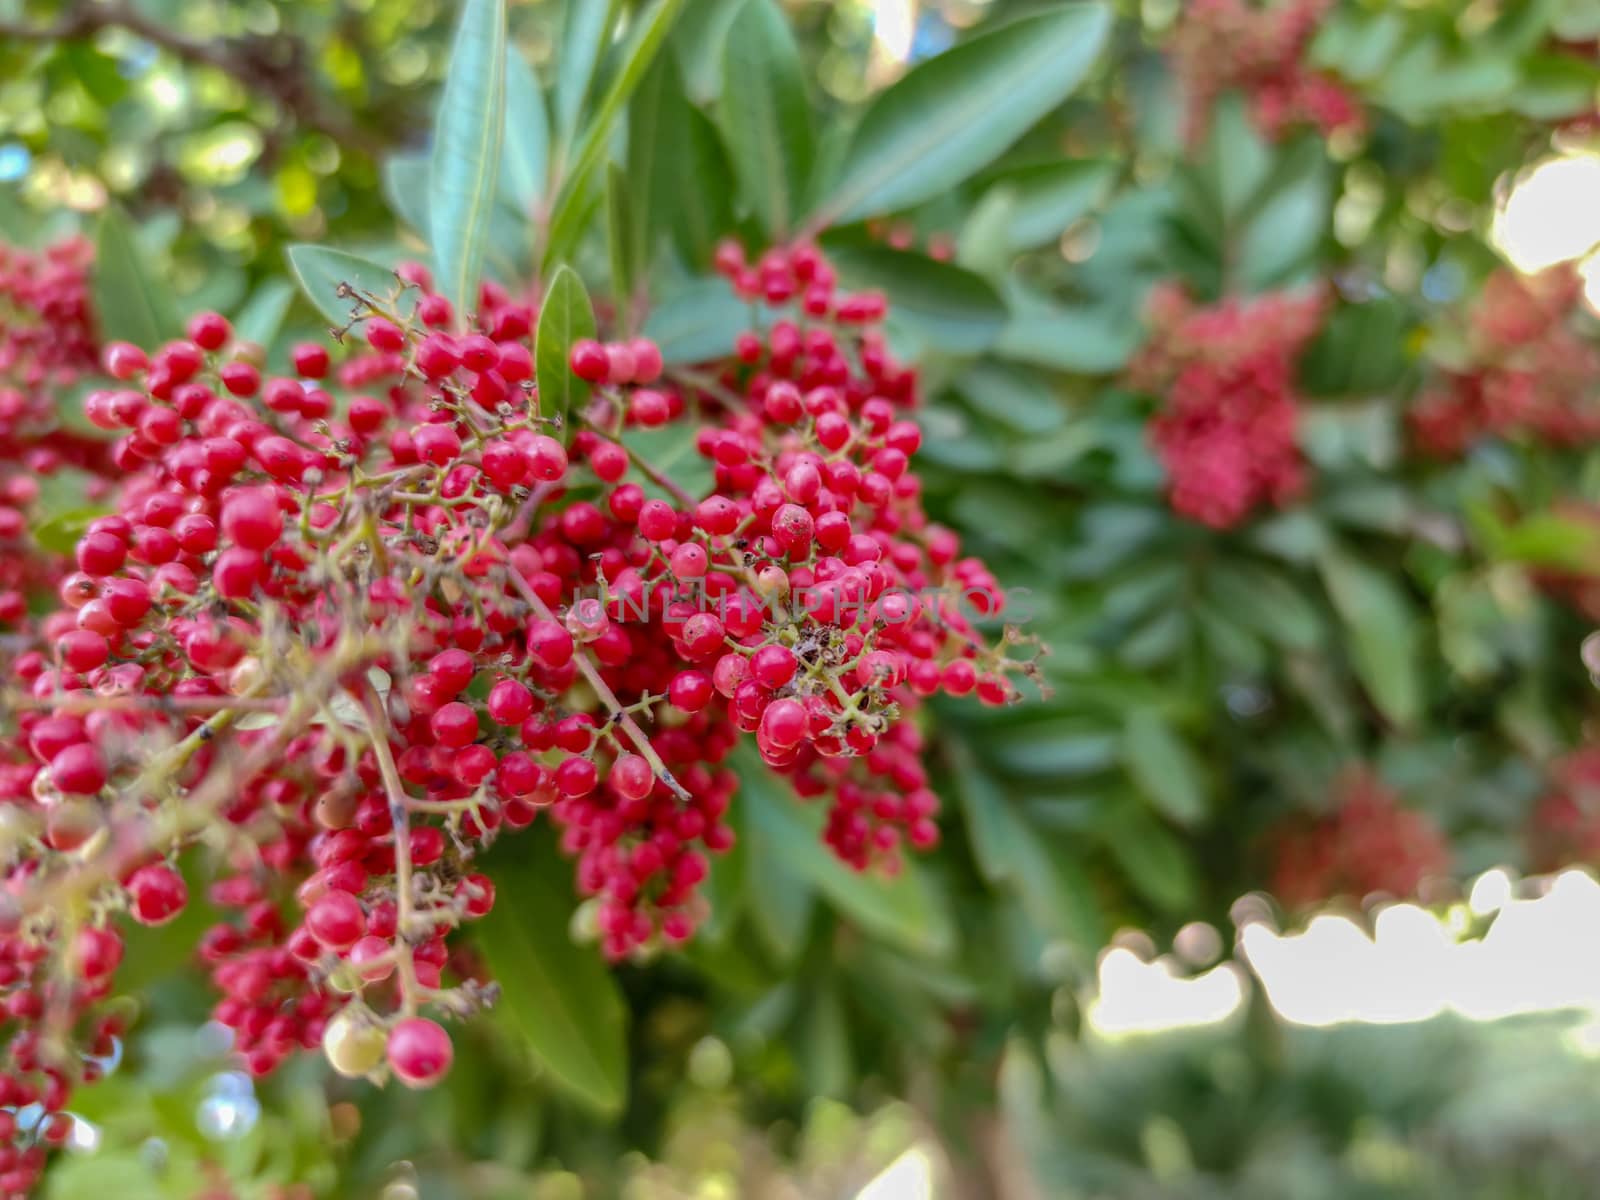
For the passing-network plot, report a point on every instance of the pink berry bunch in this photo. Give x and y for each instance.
(1260, 50)
(1226, 431)
(349, 624)
(47, 343)
(1525, 369)
(1565, 824)
(1367, 843)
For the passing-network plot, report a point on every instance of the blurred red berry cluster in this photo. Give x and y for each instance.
(1368, 842)
(1516, 364)
(1226, 431)
(1260, 50)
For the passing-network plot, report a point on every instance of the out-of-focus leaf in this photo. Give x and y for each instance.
(1152, 858)
(765, 115)
(1288, 221)
(952, 309)
(1163, 767)
(621, 242)
(568, 218)
(1049, 198)
(405, 186)
(468, 138)
(1385, 643)
(525, 150)
(585, 33)
(132, 302)
(323, 272)
(262, 316)
(1014, 396)
(565, 317)
(670, 451)
(951, 115)
(905, 908)
(558, 996)
(672, 149)
(697, 321)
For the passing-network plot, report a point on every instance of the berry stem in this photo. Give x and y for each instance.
(399, 817)
(602, 689)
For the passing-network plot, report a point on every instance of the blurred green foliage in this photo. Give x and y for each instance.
(1205, 685)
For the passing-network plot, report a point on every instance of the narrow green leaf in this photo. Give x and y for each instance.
(780, 901)
(405, 186)
(1049, 198)
(620, 242)
(697, 321)
(559, 997)
(957, 112)
(467, 139)
(1163, 767)
(673, 148)
(565, 317)
(525, 151)
(697, 46)
(903, 909)
(950, 307)
(765, 116)
(259, 320)
(585, 33)
(1385, 640)
(569, 217)
(130, 304)
(1152, 858)
(324, 272)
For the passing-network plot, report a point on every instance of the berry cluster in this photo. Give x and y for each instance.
(47, 342)
(1565, 824)
(1226, 433)
(1519, 367)
(1226, 44)
(1367, 843)
(347, 625)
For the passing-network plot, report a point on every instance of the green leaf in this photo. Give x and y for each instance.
(1163, 767)
(468, 135)
(1385, 638)
(132, 302)
(568, 217)
(565, 317)
(953, 114)
(1267, 601)
(525, 149)
(673, 148)
(781, 901)
(1049, 198)
(323, 273)
(558, 996)
(1082, 339)
(405, 186)
(670, 451)
(903, 909)
(697, 46)
(1289, 220)
(1014, 396)
(262, 316)
(621, 243)
(697, 321)
(585, 34)
(984, 244)
(1151, 857)
(59, 532)
(950, 308)
(765, 116)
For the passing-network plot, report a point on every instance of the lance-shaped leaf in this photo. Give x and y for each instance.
(129, 304)
(566, 316)
(467, 142)
(957, 112)
(764, 114)
(324, 274)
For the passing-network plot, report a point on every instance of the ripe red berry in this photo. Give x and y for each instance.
(689, 691)
(549, 644)
(336, 920)
(252, 518)
(588, 360)
(78, 770)
(773, 666)
(310, 360)
(454, 725)
(419, 1052)
(156, 893)
(510, 703)
(784, 722)
(632, 777)
(209, 330)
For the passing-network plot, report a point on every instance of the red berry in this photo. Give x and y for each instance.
(158, 893)
(336, 920)
(253, 519)
(632, 777)
(588, 360)
(419, 1052)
